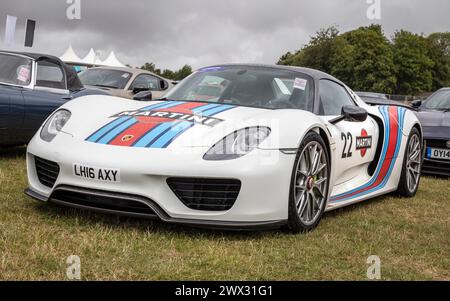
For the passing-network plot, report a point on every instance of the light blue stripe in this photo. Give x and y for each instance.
(106, 129)
(112, 134)
(206, 107)
(165, 105)
(175, 130)
(217, 110)
(147, 138)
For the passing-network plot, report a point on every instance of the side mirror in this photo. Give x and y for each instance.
(351, 113)
(143, 95)
(139, 88)
(416, 103)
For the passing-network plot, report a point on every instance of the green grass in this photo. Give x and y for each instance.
(411, 236)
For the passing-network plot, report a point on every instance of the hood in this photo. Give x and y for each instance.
(436, 124)
(158, 124)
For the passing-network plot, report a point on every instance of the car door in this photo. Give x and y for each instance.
(146, 82)
(11, 114)
(355, 141)
(15, 76)
(49, 93)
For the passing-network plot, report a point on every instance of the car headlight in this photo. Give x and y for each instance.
(237, 144)
(54, 125)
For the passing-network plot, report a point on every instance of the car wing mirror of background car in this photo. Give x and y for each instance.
(416, 103)
(351, 113)
(143, 95)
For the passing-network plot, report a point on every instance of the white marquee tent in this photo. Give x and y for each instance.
(91, 59)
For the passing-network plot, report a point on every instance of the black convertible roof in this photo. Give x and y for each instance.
(73, 82)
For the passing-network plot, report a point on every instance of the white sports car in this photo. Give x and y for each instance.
(232, 146)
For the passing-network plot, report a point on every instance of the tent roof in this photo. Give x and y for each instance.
(112, 61)
(90, 59)
(70, 55)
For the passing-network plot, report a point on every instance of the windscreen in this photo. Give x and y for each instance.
(262, 87)
(115, 79)
(439, 101)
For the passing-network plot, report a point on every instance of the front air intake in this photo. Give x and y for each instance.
(206, 194)
(47, 171)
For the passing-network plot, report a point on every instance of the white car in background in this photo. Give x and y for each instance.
(126, 82)
(278, 146)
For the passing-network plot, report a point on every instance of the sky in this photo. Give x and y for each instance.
(172, 33)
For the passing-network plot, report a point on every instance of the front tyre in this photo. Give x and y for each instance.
(412, 164)
(309, 184)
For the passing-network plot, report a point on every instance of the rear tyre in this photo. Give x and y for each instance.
(309, 184)
(412, 165)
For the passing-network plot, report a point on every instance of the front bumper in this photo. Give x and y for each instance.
(262, 201)
(436, 167)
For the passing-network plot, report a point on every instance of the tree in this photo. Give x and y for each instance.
(151, 67)
(185, 71)
(413, 64)
(167, 73)
(439, 53)
(316, 54)
(363, 58)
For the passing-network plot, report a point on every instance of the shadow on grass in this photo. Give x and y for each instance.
(12, 152)
(357, 206)
(73, 216)
(90, 218)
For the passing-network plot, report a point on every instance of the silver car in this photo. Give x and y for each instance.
(126, 82)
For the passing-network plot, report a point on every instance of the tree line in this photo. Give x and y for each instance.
(167, 73)
(366, 60)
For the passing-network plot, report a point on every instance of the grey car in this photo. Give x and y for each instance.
(126, 82)
(434, 115)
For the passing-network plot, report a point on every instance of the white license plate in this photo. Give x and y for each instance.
(96, 173)
(437, 153)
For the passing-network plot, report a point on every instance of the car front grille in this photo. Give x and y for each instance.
(206, 194)
(98, 201)
(436, 167)
(47, 171)
(436, 143)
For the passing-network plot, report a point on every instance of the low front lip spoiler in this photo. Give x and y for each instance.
(159, 212)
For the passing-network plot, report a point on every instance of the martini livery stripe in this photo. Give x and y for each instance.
(393, 127)
(158, 125)
(117, 122)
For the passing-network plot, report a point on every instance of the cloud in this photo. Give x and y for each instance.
(172, 33)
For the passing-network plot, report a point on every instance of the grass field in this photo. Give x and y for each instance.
(411, 237)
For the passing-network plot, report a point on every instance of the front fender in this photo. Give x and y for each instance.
(289, 127)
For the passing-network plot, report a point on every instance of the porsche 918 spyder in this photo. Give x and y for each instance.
(270, 146)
